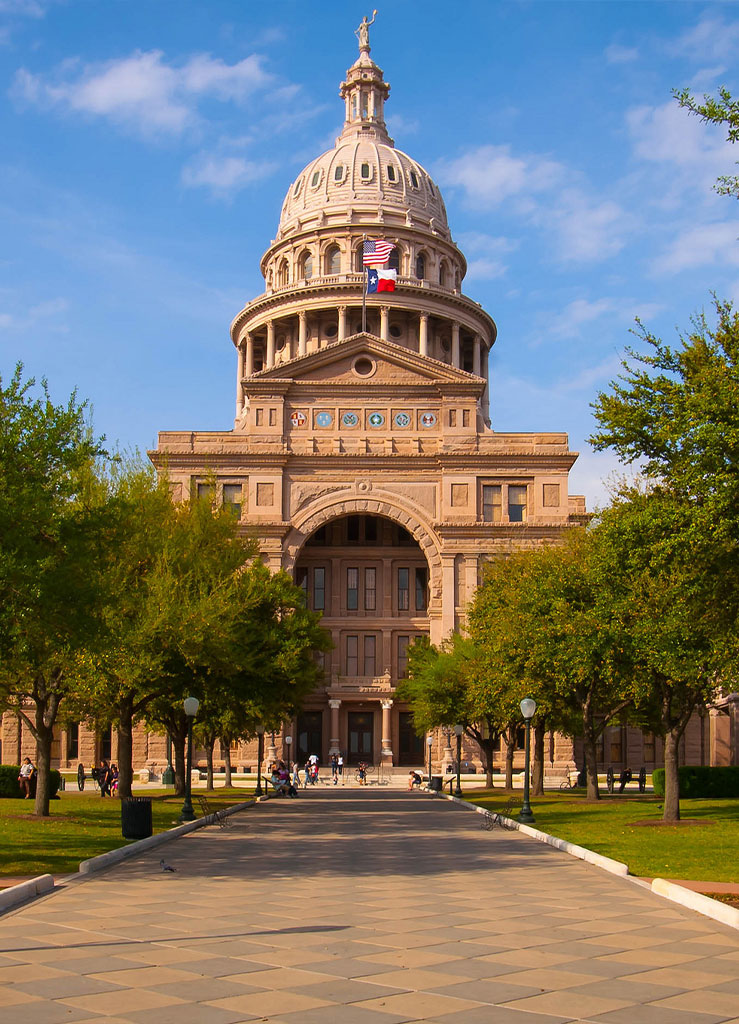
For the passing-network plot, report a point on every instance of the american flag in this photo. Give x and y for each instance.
(376, 252)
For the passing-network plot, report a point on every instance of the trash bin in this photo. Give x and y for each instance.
(136, 817)
(436, 784)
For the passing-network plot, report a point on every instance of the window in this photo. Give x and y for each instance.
(339, 172)
(352, 530)
(492, 503)
(370, 589)
(259, 417)
(306, 266)
(232, 499)
(442, 274)
(395, 330)
(422, 579)
(205, 492)
(298, 183)
(393, 262)
(301, 580)
(333, 260)
(370, 530)
(283, 275)
(403, 642)
(358, 263)
(273, 417)
(319, 589)
(106, 744)
(365, 172)
(414, 179)
(352, 590)
(403, 589)
(315, 179)
(420, 266)
(352, 655)
(649, 752)
(73, 741)
(517, 504)
(391, 173)
(370, 645)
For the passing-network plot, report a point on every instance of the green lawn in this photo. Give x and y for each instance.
(80, 826)
(705, 852)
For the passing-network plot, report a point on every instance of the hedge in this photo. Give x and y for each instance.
(9, 788)
(701, 781)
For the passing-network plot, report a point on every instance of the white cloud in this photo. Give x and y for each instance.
(143, 91)
(700, 246)
(616, 54)
(225, 174)
(486, 253)
(713, 38)
(670, 134)
(587, 229)
(567, 324)
(491, 174)
(50, 310)
(26, 8)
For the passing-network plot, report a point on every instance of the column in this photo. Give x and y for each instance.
(333, 742)
(486, 392)
(270, 343)
(302, 333)
(386, 740)
(455, 345)
(423, 334)
(384, 322)
(342, 324)
(476, 355)
(239, 376)
(249, 368)
(447, 595)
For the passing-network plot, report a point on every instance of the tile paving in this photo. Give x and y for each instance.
(362, 908)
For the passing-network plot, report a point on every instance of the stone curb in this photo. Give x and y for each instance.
(104, 860)
(696, 901)
(16, 894)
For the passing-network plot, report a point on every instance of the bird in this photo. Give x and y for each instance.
(165, 866)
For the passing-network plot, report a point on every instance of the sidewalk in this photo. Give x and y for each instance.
(363, 907)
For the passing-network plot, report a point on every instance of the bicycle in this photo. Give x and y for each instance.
(363, 773)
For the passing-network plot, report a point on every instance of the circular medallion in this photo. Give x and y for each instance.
(375, 419)
(402, 419)
(298, 419)
(324, 419)
(428, 419)
(350, 419)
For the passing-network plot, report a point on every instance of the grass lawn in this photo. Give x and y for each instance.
(80, 826)
(705, 852)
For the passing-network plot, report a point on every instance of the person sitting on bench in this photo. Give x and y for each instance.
(414, 779)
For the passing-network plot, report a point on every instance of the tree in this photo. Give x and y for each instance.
(52, 542)
(722, 110)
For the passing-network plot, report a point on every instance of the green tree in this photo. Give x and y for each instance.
(52, 544)
(723, 110)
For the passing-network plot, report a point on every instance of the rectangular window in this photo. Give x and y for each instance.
(232, 499)
(370, 530)
(301, 580)
(319, 589)
(465, 417)
(648, 755)
(370, 645)
(421, 589)
(352, 655)
(205, 492)
(273, 417)
(73, 741)
(403, 588)
(492, 503)
(352, 590)
(403, 642)
(517, 504)
(259, 413)
(370, 590)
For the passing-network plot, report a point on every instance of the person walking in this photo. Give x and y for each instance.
(25, 777)
(341, 768)
(105, 777)
(335, 769)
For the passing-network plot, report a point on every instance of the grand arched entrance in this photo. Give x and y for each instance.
(370, 579)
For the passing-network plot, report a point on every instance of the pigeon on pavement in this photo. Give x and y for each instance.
(166, 867)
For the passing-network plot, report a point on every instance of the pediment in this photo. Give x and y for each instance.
(364, 359)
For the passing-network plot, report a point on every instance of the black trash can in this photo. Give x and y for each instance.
(436, 784)
(136, 817)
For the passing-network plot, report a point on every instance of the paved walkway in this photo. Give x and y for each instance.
(362, 908)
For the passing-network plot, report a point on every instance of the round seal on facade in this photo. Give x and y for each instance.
(402, 420)
(298, 419)
(324, 419)
(376, 419)
(364, 485)
(428, 419)
(350, 419)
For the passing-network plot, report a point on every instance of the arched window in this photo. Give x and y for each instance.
(306, 266)
(358, 258)
(283, 273)
(420, 266)
(394, 262)
(443, 274)
(333, 260)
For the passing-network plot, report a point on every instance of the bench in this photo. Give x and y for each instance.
(214, 816)
(500, 818)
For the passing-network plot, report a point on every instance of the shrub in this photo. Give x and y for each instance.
(701, 781)
(9, 788)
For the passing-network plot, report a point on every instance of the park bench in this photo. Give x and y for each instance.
(624, 778)
(500, 818)
(214, 816)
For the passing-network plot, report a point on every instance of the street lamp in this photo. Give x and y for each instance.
(528, 707)
(260, 756)
(191, 705)
(289, 765)
(458, 730)
(429, 744)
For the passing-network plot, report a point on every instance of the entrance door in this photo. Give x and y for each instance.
(361, 736)
(411, 748)
(310, 736)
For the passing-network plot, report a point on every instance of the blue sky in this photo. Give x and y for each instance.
(146, 147)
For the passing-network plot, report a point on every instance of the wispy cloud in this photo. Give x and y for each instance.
(713, 38)
(490, 175)
(616, 54)
(700, 246)
(50, 310)
(224, 175)
(486, 254)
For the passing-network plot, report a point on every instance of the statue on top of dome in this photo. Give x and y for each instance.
(362, 32)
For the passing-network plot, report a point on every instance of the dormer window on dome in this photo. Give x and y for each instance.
(315, 179)
(414, 179)
(366, 172)
(296, 190)
(392, 174)
(339, 172)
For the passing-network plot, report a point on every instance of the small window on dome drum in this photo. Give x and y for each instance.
(307, 266)
(391, 175)
(315, 179)
(365, 172)
(339, 173)
(442, 274)
(393, 262)
(414, 179)
(420, 266)
(431, 189)
(333, 260)
(298, 183)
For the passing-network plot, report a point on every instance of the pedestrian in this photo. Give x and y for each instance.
(104, 778)
(114, 776)
(362, 772)
(335, 769)
(296, 775)
(25, 777)
(341, 768)
(306, 770)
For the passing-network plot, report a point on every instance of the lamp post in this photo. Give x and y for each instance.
(458, 730)
(191, 705)
(260, 756)
(289, 765)
(429, 744)
(528, 707)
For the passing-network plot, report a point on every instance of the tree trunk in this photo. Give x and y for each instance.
(672, 781)
(490, 758)
(510, 749)
(226, 749)
(43, 766)
(125, 751)
(537, 773)
(210, 743)
(178, 749)
(591, 755)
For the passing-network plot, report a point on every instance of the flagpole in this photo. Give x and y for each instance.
(365, 285)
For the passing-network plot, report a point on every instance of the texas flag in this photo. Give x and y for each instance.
(380, 280)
